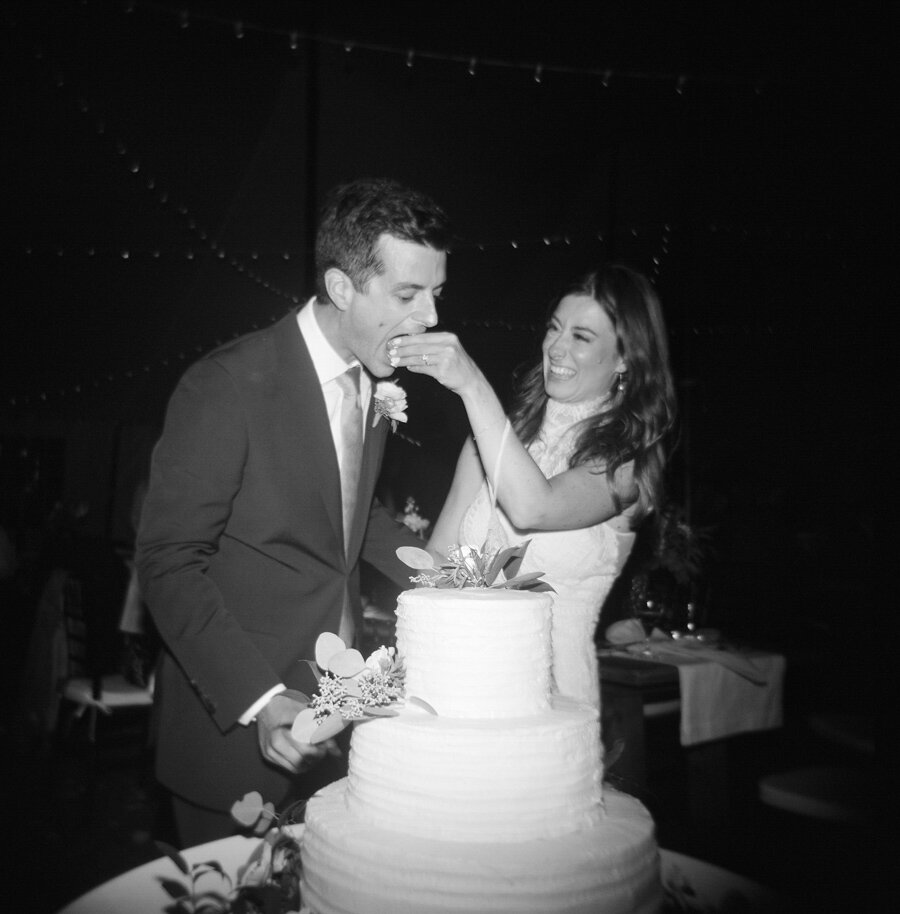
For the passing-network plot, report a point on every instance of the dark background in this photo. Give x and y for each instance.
(164, 163)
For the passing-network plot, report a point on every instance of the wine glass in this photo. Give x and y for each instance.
(651, 613)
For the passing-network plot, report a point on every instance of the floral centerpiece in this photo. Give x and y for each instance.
(412, 518)
(680, 547)
(268, 883)
(663, 590)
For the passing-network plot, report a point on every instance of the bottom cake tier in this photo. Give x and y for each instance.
(354, 868)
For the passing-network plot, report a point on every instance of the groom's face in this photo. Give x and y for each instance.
(400, 300)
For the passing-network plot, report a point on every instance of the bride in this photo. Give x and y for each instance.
(579, 462)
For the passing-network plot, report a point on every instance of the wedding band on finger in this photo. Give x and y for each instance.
(424, 359)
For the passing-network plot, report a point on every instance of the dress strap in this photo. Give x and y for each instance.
(492, 486)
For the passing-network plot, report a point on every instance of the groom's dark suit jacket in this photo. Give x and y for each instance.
(241, 554)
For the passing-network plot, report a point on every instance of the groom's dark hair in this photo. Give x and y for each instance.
(357, 214)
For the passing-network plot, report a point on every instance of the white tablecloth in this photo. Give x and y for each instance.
(717, 702)
(723, 692)
(139, 891)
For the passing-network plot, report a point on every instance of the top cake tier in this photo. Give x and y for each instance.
(476, 653)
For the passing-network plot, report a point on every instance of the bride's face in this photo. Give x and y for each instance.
(580, 355)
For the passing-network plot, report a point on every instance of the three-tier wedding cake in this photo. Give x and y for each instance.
(493, 803)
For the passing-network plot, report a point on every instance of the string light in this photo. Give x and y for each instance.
(121, 151)
(235, 258)
(663, 252)
(409, 55)
(147, 370)
(537, 69)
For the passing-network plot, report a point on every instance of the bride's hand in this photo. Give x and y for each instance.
(440, 355)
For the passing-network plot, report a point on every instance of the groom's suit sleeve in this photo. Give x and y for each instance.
(196, 474)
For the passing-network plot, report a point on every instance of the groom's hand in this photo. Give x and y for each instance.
(273, 728)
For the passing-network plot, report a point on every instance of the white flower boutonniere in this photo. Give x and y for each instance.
(390, 402)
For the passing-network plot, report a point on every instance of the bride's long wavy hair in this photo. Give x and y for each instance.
(639, 415)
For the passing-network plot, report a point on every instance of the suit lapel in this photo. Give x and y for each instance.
(307, 428)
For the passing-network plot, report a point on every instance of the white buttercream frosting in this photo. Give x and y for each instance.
(495, 804)
(354, 868)
(478, 780)
(476, 653)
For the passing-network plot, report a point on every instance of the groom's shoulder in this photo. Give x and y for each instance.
(256, 344)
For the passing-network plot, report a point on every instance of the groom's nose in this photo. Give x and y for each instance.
(426, 314)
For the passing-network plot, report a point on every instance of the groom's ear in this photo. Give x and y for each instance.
(339, 287)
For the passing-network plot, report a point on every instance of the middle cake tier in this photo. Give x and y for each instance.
(478, 780)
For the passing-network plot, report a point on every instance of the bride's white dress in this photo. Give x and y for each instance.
(581, 565)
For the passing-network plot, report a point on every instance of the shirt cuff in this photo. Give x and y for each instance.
(250, 714)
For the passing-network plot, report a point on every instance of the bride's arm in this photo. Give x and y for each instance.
(576, 498)
(466, 482)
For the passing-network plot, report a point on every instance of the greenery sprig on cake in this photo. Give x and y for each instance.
(468, 566)
(349, 688)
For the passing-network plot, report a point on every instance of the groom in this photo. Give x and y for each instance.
(260, 507)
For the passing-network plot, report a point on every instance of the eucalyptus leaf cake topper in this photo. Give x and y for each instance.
(467, 566)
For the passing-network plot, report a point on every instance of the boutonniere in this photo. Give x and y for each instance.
(390, 402)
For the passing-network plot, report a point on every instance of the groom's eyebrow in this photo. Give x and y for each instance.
(418, 287)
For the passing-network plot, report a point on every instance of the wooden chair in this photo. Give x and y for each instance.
(89, 686)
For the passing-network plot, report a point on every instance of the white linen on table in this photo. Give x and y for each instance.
(717, 702)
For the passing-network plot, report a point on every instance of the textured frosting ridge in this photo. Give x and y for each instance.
(495, 803)
(478, 780)
(476, 653)
(611, 867)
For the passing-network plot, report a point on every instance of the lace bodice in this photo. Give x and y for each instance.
(581, 565)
